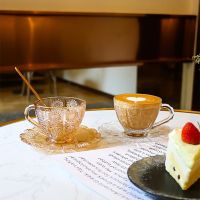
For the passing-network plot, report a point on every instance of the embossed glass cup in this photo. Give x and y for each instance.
(58, 117)
(137, 113)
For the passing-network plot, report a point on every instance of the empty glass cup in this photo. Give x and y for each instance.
(58, 117)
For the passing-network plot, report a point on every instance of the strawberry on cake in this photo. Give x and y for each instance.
(183, 155)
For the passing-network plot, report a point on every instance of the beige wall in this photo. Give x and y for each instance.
(111, 80)
(115, 6)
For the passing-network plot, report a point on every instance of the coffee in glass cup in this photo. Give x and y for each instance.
(137, 113)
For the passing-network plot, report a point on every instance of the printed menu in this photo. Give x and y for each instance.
(105, 170)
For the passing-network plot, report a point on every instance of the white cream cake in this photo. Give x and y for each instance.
(182, 160)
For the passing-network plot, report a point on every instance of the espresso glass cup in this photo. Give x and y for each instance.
(137, 113)
(58, 117)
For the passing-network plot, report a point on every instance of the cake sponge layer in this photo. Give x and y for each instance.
(182, 160)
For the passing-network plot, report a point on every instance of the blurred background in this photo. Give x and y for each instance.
(97, 49)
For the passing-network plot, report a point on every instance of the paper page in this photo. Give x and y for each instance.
(105, 170)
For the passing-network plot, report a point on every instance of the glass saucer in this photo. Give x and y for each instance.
(87, 138)
(113, 132)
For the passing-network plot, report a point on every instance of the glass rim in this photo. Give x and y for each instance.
(56, 97)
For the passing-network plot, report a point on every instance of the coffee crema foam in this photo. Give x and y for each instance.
(138, 99)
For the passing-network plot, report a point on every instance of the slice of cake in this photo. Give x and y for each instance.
(183, 155)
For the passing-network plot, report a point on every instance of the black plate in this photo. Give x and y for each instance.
(149, 175)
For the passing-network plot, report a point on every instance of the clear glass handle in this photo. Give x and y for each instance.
(26, 114)
(170, 116)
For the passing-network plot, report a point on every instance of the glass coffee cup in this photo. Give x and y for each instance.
(137, 113)
(58, 118)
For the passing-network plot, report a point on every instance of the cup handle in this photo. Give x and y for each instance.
(170, 116)
(26, 114)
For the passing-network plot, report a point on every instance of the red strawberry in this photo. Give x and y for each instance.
(190, 134)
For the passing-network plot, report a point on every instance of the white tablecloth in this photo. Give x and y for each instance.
(28, 174)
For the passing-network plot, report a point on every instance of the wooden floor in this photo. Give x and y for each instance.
(12, 102)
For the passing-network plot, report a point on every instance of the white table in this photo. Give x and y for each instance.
(28, 174)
